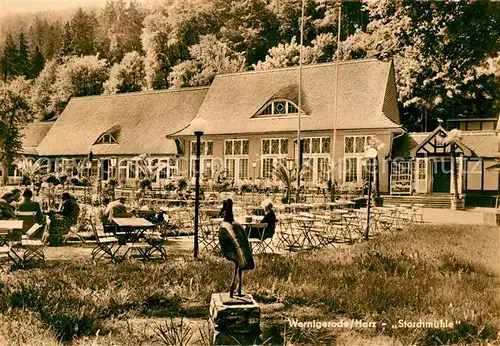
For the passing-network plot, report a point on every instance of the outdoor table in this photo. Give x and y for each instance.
(349, 220)
(132, 226)
(6, 227)
(305, 238)
(210, 212)
(177, 202)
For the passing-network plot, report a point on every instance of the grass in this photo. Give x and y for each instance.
(427, 273)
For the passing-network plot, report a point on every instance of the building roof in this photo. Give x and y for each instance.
(481, 143)
(33, 134)
(366, 88)
(142, 119)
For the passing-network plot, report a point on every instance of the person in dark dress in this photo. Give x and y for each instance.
(234, 246)
(64, 218)
(270, 219)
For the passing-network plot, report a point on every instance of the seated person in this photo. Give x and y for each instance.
(65, 217)
(116, 209)
(270, 219)
(29, 205)
(7, 204)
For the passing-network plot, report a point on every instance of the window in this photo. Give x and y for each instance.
(351, 169)
(422, 169)
(122, 170)
(106, 138)
(131, 169)
(273, 152)
(167, 168)
(316, 153)
(206, 153)
(356, 167)
(278, 146)
(279, 107)
(356, 144)
(206, 148)
(401, 178)
(236, 162)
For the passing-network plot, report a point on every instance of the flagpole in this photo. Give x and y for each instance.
(299, 164)
(335, 96)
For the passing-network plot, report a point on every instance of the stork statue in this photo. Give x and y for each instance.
(234, 246)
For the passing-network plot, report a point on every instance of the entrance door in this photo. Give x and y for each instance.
(105, 169)
(441, 174)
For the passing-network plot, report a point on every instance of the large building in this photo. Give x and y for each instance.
(252, 122)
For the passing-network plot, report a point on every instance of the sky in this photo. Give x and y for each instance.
(23, 6)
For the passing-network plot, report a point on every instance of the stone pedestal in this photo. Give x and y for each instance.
(234, 321)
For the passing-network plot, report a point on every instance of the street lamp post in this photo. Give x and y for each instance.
(198, 126)
(88, 164)
(371, 154)
(113, 162)
(289, 166)
(254, 166)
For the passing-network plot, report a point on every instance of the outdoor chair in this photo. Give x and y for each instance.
(106, 246)
(28, 218)
(259, 245)
(156, 243)
(283, 231)
(34, 248)
(143, 250)
(208, 235)
(4, 236)
(76, 231)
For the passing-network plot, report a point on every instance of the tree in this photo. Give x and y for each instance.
(78, 76)
(30, 168)
(210, 58)
(82, 30)
(23, 57)
(127, 76)
(67, 41)
(434, 46)
(120, 29)
(9, 59)
(37, 63)
(285, 55)
(156, 44)
(14, 115)
(42, 92)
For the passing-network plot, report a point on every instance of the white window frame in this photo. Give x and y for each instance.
(272, 103)
(240, 159)
(205, 158)
(275, 158)
(360, 157)
(314, 157)
(401, 182)
(106, 138)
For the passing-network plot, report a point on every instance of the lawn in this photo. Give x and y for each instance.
(423, 274)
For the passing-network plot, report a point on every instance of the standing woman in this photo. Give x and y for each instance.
(234, 246)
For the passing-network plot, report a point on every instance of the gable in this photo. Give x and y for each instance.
(436, 144)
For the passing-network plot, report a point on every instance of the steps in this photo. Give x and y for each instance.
(441, 202)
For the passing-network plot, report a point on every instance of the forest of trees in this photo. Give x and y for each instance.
(446, 54)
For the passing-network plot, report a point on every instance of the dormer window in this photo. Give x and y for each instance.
(279, 108)
(110, 136)
(106, 138)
